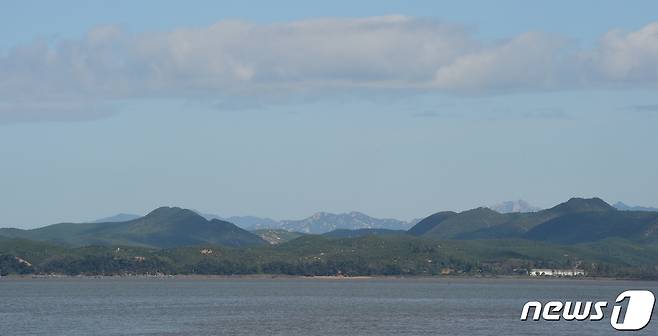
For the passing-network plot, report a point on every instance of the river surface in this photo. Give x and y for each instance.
(175, 306)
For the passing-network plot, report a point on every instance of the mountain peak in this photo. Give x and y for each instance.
(323, 222)
(168, 212)
(578, 204)
(479, 210)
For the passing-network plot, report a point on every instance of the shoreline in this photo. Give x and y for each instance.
(274, 277)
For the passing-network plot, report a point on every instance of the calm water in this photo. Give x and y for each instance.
(296, 306)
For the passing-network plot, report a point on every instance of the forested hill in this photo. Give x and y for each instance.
(162, 228)
(575, 221)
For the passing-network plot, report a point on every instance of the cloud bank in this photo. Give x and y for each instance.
(71, 79)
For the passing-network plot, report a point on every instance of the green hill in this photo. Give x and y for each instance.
(594, 226)
(162, 228)
(454, 227)
(484, 223)
(430, 222)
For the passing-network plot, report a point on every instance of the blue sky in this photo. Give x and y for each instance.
(396, 109)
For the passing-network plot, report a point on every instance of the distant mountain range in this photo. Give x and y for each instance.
(624, 207)
(514, 206)
(579, 220)
(318, 223)
(247, 222)
(581, 232)
(324, 222)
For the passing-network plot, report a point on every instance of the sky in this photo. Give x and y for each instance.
(281, 109)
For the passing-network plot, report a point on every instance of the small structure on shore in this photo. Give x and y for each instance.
(206, 251)
(556, 272)
(23, 261)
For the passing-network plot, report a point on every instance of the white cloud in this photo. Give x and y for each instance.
(314, 57)
(530, 61)
(628, 57)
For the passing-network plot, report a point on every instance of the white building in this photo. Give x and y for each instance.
(206, 251)
(569, 272)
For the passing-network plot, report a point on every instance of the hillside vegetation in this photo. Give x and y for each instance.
(580, 233)
(162, 228)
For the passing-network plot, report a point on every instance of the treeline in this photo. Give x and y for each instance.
(318, 256)
(345, 266)
(110, 265)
